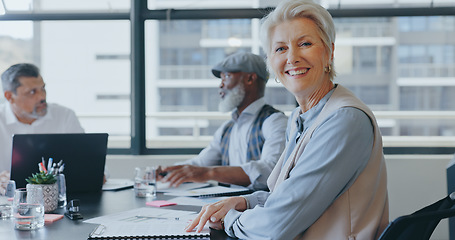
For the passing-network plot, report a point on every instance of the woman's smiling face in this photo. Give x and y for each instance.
(298, 56)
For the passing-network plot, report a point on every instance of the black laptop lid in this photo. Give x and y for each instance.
(84, 155)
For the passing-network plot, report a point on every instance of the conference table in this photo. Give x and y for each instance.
(91, 205)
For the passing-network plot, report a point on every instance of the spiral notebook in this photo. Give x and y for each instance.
(133, 232)
(146, 223)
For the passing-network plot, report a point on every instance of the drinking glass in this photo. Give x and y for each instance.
(145, 182)
(7, 188)
(28, 208)
(61, 190)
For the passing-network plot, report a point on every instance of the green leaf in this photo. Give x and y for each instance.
(41, 178)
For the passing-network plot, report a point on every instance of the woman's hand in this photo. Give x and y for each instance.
(215, 212)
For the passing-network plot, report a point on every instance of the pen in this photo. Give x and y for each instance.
(43, 167)
(49, 165)
(60, 170)
(54, 169)
(151, 217)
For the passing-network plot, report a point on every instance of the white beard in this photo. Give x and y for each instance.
(36, 115)
(33, 115)
(232, 99)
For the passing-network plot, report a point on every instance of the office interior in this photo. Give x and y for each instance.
(140, 71)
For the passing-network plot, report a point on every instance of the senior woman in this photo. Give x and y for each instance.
(330, 182)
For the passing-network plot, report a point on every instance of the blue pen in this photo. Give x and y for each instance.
(49, 165)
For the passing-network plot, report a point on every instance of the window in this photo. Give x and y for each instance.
(85, 65)
(180, 80)
(402, 67)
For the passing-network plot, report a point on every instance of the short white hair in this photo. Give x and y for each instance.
(288, 10)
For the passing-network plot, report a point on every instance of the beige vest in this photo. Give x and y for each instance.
(362, 211)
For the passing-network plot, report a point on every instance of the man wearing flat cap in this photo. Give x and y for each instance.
(245, 149)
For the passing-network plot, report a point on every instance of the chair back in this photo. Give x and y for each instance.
(420, 224)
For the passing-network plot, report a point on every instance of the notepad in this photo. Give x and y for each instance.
(144, 231)
(50, 218)
(159, 203)
(146, 223)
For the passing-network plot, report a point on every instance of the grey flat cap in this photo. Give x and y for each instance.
(242, 62)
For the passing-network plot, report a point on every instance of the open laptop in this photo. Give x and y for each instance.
(84, 156)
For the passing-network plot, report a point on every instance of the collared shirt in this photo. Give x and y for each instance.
(58, 119)
(273, 129)
(337, 153)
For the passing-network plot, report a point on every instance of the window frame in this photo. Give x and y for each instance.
(139, 13)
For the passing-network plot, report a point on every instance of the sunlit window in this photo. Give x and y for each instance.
(402, 67)
(86, 67)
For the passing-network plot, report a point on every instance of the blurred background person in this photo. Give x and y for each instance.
(245, 149)
(27, 112)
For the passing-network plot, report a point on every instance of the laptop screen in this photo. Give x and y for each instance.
(84, 156)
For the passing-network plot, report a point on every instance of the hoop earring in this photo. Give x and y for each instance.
(328, 69)
(276, 80)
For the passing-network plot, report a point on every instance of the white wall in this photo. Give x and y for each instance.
(414, 181)
(122, 166)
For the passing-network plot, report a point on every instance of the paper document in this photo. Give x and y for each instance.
(195, 201)
(164, 187)
(113, 184)
(130, 215)
(145, 222)
(217, 191)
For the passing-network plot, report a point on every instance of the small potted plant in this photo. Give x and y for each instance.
(48, 182)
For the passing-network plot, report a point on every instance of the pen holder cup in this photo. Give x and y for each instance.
(145, 182)
(50, 195)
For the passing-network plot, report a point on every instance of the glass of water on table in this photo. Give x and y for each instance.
(28, 208)
(145, 182)
(7, 188)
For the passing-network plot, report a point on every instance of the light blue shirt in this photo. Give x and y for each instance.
(258, 171)
(337, 153)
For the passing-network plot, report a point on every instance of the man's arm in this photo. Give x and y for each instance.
(187, 173)
(210, 155)
(253, 173)
(183, 171)
(273, 129)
